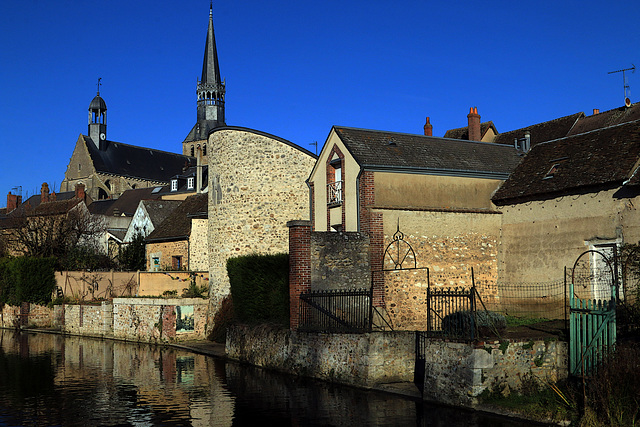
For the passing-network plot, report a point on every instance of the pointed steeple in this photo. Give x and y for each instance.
(211, 88)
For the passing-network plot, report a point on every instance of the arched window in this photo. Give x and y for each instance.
(193, 151)
(204, 150)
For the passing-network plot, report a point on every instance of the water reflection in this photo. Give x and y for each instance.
(48, 379)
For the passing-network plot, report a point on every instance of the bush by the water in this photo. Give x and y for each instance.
(26, 279)
(260, 288)
(466, 323)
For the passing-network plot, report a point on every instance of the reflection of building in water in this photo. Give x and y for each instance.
(126, 380)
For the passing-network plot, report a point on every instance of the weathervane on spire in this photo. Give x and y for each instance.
(625, 83)
(99, 84)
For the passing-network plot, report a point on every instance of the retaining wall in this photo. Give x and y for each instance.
(457, 373)
(356, 359)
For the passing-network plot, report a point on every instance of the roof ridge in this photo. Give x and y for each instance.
(591, 131)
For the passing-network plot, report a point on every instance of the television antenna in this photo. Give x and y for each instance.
(315, 143)
(625, 83)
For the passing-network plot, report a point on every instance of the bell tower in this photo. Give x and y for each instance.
(98, 121)
(210, 93)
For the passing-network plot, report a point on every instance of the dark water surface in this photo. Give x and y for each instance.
(50, 380)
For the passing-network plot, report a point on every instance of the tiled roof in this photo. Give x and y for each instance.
(137, 162)
(177, 226)
(463, 133)
(574, 164)
(159, 210)
(405, 152)
(607, 118)
(541, 132)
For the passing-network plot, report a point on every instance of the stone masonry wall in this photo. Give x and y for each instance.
(355, 359)
(340, 261)
(450, 244)
(84, 319)
(166, 250)
(456, 373)
(257, 184)
(198, 245)
(39, 316)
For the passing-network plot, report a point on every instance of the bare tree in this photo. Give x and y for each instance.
(53, 229)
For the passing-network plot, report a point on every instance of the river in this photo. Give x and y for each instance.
(50, 379)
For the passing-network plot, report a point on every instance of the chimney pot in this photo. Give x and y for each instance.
(80, 193)
(428, 128)
(596, 111)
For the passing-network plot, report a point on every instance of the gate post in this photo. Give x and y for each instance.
(299, 267)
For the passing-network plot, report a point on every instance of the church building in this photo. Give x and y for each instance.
(107, 168)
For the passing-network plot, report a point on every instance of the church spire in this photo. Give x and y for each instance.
(211, 88)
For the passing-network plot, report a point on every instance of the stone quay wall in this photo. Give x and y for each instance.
(356, 359)
(457, 373)
(39, 316)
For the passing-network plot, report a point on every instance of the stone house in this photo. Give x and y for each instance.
(180, 241)
(369, 185)
(569, 195)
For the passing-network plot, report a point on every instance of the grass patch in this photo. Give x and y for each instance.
(536, 401)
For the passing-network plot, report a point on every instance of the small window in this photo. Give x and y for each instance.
(174, 185)
(176, 262)
(193, 151)
(190, 183)
(552, 171)
(155, 263)
(79, 166)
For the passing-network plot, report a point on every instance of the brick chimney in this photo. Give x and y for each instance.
(80, 194)
(428, 128)
(44, 193)
(13, 201)
(596, 111)
(474, 124)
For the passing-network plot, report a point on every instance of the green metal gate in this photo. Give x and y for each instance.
(592, 332)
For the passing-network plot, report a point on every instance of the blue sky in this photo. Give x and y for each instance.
(295, 68)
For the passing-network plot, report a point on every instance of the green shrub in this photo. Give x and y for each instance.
(260, 288)
(27, 279)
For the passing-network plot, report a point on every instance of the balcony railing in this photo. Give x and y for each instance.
(334, 193)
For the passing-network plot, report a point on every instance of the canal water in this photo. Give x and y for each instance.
(53, 380)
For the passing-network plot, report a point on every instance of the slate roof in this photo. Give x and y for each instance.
(159, 210)
(603, 157)
(417, 153)
(126, 204)
(463, 133)
(177, 226)
(541, 132)
(137, 162)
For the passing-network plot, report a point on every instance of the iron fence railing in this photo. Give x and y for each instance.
(334, 193)
(451, 313)
(346, 311)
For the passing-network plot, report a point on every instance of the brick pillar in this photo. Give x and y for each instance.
(12, 202)
(299, 267)
(44, 193)
(371, 223)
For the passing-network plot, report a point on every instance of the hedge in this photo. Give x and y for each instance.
(26, 279)
(260, 288)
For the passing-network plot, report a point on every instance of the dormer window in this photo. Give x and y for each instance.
(190, 183)
(174, 185)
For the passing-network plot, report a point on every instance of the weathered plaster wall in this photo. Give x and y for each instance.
(340, 261)
(433, 191)
(356, 359)
(83, 285)
(39, 316)
(257, 184)
(450, 244)
(540, 238)
(456, 373)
